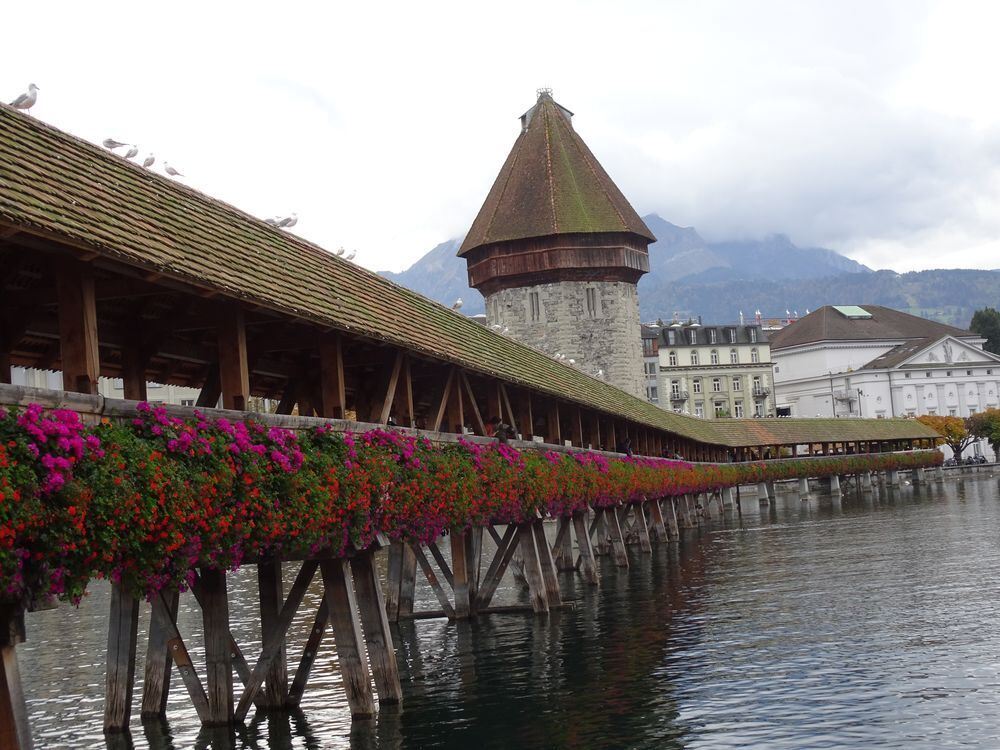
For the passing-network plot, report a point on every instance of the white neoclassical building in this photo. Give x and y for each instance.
(873, 361)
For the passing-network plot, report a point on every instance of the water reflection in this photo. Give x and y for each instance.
(865, 619)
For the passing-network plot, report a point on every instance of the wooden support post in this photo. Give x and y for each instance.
(375, 623)
(218, 647)
(478, 422)
(272, 596)
(642, 528)
(525, 423)
(390, 392)
(133, 373)
(179, 653)
(456, 409)
(548, 567)
(474, 559)
(316, 634)
(656, 516)
(439, 592)
(564, 544)
(411, 417)
(460, 574)
(331, 377)
(602, 543)
(587, 559)
(211, 389)
(393, 579)
(347, 637)
(407, 581)
(578, 427)
(553, 432)
(234, 369)
(123, 627)
(685, 504)
(449, 383)
(78, 350)
(15, 732)
(4, 367)
(156, 683)
(532, 570)
(506, 547)
(611, 515)
(673, 530)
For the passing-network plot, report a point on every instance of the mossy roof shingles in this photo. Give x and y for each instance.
(54, 184)
(551, 183)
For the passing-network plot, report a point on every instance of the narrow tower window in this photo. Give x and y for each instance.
(591, 302)
(536, 310)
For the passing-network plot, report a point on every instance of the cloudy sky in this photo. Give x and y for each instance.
(869, 127)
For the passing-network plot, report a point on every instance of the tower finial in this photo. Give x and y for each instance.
(543, 92)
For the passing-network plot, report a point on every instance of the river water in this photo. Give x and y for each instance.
(836, 623)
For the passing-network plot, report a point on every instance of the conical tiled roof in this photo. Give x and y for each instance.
(551, 184)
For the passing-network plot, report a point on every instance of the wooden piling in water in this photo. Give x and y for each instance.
(347, 637)
(673, 529)
(460, 574)
(656, 516)
(552, 592)
(532, 571)
(15, 732)
(408, 581)
(375, 624)
(642, 527)
(563, 547)
(393, 579)
(587, 560)
(272, 596)
(214, 600)
(123, 628)
(613, 517)
(156, 682)
(602, 543)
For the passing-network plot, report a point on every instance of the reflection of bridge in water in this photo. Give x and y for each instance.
(107, 270)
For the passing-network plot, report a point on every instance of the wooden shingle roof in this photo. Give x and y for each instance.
(551, 184)
(56, 186)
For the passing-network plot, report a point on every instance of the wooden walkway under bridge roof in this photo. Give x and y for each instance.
(107, 269)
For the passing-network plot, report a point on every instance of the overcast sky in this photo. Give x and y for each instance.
(870, 128)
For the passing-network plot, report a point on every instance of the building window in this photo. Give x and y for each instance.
(672, 338)
(591, 302)
(720, 409)
(694, 358)
(699, 409)
(187, 402)
(715, 356)
(672, 359)
(716, 385)
(906, 375)
(753, 335)
(754, 355)
(536, 309)
(651, 394)
(737, 383)
(951, 412)
(758, 409)
(732, 335)
(675, 389)
(948, 374)
(968, 372)
(692, 336)
(989, 372)
(696, 385)
(711, 336)
(649, 348)
(756, 382)
(738, 409)
(927, 374)
(734, 357)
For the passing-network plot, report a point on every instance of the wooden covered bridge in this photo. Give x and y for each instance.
(108, 270)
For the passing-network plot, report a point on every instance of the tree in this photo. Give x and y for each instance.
(986, 424)
(986, 323)
(954, 431)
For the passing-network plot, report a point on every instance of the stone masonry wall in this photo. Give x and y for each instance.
(604, 337)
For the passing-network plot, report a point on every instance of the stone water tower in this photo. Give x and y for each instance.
(557, 251)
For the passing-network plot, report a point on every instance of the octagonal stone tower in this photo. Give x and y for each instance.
(557, 251)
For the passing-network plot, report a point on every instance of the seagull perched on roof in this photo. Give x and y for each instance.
(457, 304)
(340, 251)
(496, 327)
(148, 161)
(350, 255)
(288, 221)
(171, 171)
(273, 221)
(132, 152)
(27, 100)
(112, 144)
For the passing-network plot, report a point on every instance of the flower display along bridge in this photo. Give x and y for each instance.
(111, 271)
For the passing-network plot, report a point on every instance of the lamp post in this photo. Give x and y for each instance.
(861, 395)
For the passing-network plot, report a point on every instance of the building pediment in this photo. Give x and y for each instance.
(949, 351)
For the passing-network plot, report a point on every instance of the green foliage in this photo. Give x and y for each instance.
(986, 323)
(986, 424)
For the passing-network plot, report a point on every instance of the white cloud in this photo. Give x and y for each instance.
(867, 127)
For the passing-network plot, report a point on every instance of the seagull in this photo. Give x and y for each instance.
(350, 255)
(288, 221)
(171, 171)
(148, 161)
(273, 221)
(496, 327)
(111, 143)
(572, 361)
(600, 373)
(132, 152)
(340, 251)
(457, 305)
(26, 101)
(505, 330)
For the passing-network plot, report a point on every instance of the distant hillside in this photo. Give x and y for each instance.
(718, 280)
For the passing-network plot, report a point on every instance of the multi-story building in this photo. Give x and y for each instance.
(873, 361)
(650, 334)
(715, 371)
(557, 251)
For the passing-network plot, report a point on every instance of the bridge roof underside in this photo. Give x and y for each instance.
(68, 191)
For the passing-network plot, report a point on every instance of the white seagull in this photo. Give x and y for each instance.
(340, 251)
(132, 152)
(112, 144)
(496, 327)
(26, 101)
(350, 255)
(171, 171)
(457, 305)
(288, 221)
(148, 161)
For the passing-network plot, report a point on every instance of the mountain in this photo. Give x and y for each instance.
(718, 280)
